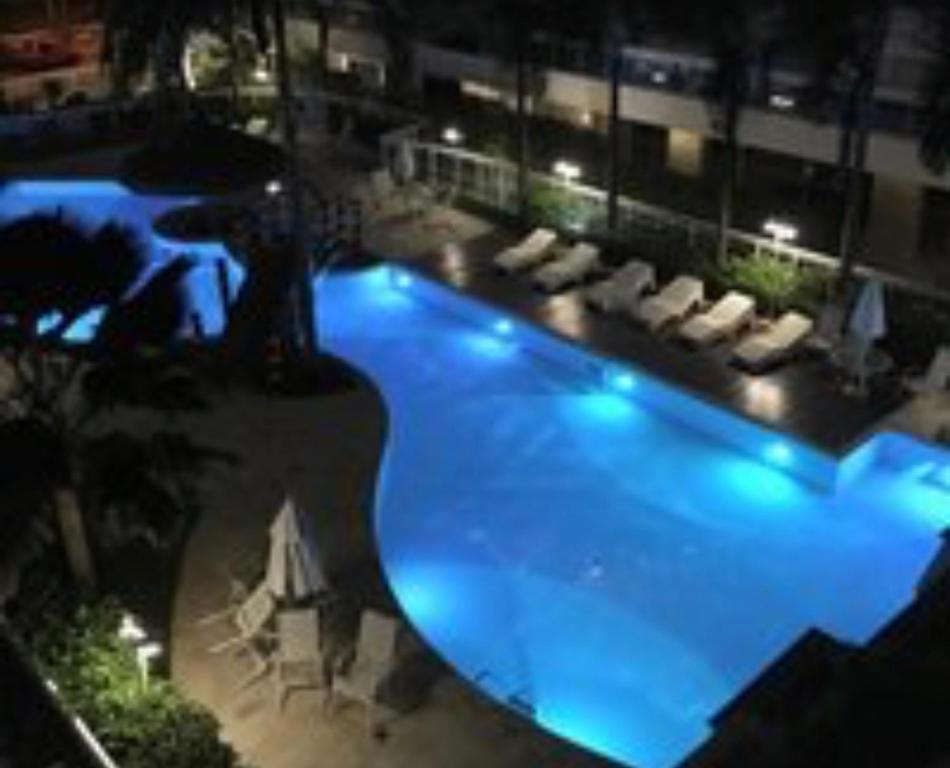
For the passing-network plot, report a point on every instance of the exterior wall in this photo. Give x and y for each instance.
(894, 224)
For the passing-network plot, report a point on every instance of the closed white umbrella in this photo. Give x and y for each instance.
(867, 324)
(294, 572)
(868, 320)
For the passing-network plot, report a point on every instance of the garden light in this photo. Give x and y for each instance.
(274, 187)
(144, 655)
(130, 630)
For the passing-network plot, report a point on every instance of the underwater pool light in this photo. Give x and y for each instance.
(399, 278)
(623, 382)
(503, 327)
(779, 453)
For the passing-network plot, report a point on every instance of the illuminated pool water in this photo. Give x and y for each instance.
(581, 546)
(582, 558)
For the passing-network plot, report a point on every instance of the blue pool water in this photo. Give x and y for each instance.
(581, 555)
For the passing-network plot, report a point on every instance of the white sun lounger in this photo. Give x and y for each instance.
(529, 252)
(774, 344)
(937, 377)
(359, 677)
(672, 303)
(573, 267)
(623, 289)
(724, 318)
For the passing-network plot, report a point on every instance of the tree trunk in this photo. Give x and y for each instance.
(73, 532)
(615, 170)
(303, 303)
(521, 64)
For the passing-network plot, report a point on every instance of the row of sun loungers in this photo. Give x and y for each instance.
(679, 304)
(682, 305)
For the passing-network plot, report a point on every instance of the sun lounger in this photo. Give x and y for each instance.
(724, 318)
(937, 377)
(572, 268)
(774, 344)
(529, 252)
(623, 289)
(672, 303)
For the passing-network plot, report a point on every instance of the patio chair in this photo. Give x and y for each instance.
(360, 672)
(250, 618)
(724, 318)
(776, 343)
(298, 661)
(673, 303)
(935, 379)
(529, 252)
(572, 268)
(623, 289)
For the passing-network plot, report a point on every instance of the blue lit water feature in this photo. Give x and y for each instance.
(566, 539)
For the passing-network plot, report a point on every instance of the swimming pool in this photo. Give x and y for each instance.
(615, 573)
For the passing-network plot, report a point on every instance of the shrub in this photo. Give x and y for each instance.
(776, 282)
(140, 725)
(555, 206)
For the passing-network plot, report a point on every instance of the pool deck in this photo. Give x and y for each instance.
(802, 398)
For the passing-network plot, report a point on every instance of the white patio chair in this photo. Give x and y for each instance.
(298, 661)
(250, 618)
(724, 318)
(935, 379)
(360, 673)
